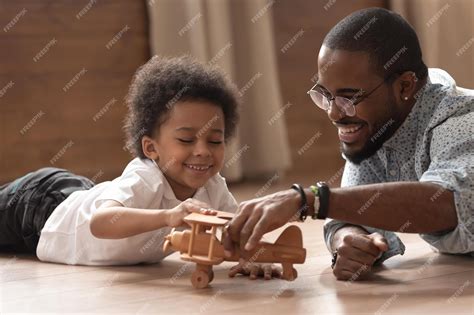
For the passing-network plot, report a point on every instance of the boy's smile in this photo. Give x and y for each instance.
(189, 146)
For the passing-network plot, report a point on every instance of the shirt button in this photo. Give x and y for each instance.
(393, 172)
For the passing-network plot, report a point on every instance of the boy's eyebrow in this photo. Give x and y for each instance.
(194, 129)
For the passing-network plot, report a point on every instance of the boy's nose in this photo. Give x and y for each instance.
(201, 149)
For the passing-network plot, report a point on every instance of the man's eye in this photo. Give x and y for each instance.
(185, 140)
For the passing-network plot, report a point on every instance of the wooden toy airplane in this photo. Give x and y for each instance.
(204, 248)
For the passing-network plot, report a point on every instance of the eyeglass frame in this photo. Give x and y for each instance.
(361, 92)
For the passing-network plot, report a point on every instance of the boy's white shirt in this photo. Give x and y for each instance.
(66, 237)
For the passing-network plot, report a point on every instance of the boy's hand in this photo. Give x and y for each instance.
(176, 215)
(255, 270)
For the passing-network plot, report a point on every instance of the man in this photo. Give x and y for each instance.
(407, 137)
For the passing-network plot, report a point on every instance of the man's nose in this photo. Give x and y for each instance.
(334, 112)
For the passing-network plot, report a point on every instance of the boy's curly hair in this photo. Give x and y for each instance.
(161, 82)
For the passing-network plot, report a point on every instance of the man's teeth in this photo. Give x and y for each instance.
(198, 168)
(349, 129)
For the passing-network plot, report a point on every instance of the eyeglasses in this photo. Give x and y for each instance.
(323, 98)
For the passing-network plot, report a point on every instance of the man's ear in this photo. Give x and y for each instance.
(406, 87)
(150, 148)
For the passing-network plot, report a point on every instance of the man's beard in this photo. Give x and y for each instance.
(382, 133)
(372, 145)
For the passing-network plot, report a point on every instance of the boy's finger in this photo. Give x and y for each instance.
(267, 272)
(254, 270)
(199, 203)
(234, 271)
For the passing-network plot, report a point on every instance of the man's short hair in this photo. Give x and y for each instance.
(391, 42)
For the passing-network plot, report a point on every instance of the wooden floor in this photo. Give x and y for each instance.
(420, 282)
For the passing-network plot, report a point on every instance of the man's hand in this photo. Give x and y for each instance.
(254, 270)
(175, 216)
(356, 252)
(258, 216)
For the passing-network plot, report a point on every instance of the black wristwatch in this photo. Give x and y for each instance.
(334, 259)
(323, 194)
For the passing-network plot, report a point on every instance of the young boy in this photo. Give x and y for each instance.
(180, 115)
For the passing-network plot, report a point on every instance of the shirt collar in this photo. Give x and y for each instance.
(404, 139)
(168, 193)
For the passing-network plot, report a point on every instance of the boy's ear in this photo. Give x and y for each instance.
(149, 147)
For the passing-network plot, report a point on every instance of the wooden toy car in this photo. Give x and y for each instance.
(204, 248)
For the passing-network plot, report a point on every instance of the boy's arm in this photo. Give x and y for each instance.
(114, 221)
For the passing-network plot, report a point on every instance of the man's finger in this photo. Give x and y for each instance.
(356, 254)
(379, 241)
(248, 228)
(258, 231)
(236, 224)
(229, 245)
(364, 244)
(351, 265)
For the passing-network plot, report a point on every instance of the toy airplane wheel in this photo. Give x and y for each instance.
(211, 275)
(295, 274)
(200, 279)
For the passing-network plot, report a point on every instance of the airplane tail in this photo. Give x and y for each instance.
(291, 236)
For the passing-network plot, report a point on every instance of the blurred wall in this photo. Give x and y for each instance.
(65, 67)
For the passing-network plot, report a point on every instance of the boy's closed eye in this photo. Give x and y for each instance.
(192, 141)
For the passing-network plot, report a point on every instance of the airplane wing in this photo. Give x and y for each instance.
(208, 220)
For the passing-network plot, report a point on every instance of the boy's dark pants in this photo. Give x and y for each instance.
(27, 202)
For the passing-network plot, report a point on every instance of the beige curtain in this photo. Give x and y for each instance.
(238, 37)
(446, 32)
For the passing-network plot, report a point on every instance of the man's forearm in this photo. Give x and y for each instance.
(410, 207)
